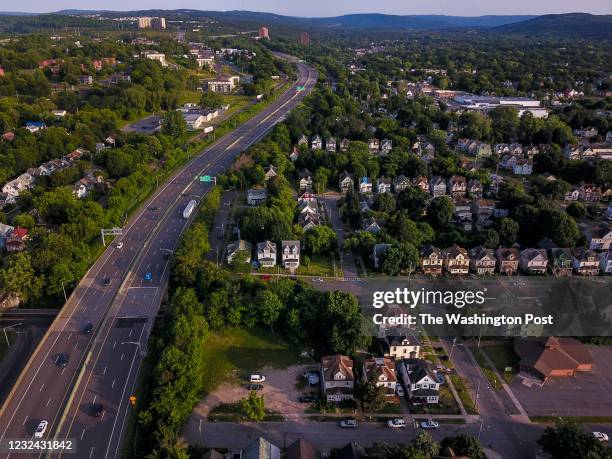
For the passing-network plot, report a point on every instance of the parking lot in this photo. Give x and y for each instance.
(586, 394)
(149, 125)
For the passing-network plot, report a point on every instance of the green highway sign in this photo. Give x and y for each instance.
(300, 88)
(205, 178)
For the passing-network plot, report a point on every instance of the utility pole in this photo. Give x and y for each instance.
(64, 290)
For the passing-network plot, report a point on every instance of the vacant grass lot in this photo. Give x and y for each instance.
(234, 353)
(485, 368)
(319, 266)
(461, 386)
(503, 356)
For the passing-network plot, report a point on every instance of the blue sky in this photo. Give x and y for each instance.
(329, 8)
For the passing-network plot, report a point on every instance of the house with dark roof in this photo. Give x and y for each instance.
(337, 378)
(534, 261)
(585, 262)
(260, 449)
(345, 183)
(353, 450)
(507, 260)
(266, 254)
(400, 346)
(301, 449)
(378, 252)
(560, 261)
(419, 380)
(552, 357)
(482, 261)
(381, 370)
(456, 260)
(431, 260)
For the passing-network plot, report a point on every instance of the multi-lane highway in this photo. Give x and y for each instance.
(103, 365)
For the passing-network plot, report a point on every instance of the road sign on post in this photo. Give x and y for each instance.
(208, 179)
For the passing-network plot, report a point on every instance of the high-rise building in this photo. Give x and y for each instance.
(144, 22)
(158, 23)
(264, 33)
(305, 39)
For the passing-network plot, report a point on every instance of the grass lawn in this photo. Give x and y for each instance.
(461, 386)
(319, 266)
(446, 404)
(502, 356)
(390, 408)
(232, 412)
(485, 368)
(237, 352)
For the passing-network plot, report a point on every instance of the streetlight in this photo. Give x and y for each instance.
(5, 334)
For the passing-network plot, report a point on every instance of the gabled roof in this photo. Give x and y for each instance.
(334, 364)
(269, 245)
(553, 353)
(301, 449)
(429, 250)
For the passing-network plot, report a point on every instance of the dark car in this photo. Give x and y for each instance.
(62, 360)
(97, 410)
(88, 328)
(255, 386)
(106, 281)
(308, 399)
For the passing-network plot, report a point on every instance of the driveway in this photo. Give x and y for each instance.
(347, 259)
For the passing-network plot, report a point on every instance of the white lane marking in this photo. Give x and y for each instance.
(94, 399)
(48, 401)
(83, 434)
(24, 421)
(63, 369)
(69, 336)
(104, 372)
(113, 384)
(91, 452)
(130, 334)
(122, 356)
(114, 344)
(41, 387)
(76, 344)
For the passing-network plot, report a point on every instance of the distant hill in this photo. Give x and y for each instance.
(567, 25)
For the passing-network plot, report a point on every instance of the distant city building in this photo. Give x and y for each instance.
(305, 39)
(264, 33)
(155, 23)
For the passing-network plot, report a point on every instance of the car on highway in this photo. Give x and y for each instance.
(429, 424)
(97, 410)
(62, 360)
(255, 387)
(318, 280)
(148, 277)
(257, 378)
(106, 281)
(397, 423)
(88, 328)
(308, 399)
(348, 424)
(602, 437)
(40, 430)
(119, 245)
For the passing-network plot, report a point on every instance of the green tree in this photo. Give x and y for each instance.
(508, 230)
(464, 445)
(211, 100)
(568, 440)
(398, 258)
(384, 202)
(253, 407)
(320, 240)
(372, 396)
(25, 221)
(440, 212)
(173, 124)
(19, 277)
(270, 307)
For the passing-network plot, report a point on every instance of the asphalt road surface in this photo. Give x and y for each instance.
(103, 364)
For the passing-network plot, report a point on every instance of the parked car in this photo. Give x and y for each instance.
(399, 390)
(255, 387)
(429, 424)
(317, 280)
(312, 377)
(308, 399)
(397, 423)
(40, 430)
(348, 424)
(97, 410)
(442, 369)
(602, 437)
(257, 378)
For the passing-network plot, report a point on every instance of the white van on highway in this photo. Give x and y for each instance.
(40, 430)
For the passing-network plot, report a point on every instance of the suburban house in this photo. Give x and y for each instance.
(437, 187)
(600, 238)
(16, 240)
(337, 378)
(386, 146)
(266, 254)
(572, 195)
(374, 145)
(482, 261)
(474, 187)
(585, 262)
(223, 84)
(522, 166)
(400, 183)
(19, 184)
(345, 183)
(308, 221)
(5, 232)
(370, 225)
(305, 180)
(605, 262)
(308, 207)
(401, 346)
(456, 260)
(303, 140)
(344, 144)
(35, 126)
(270, 173)
(256, 196)
(507, 260)
(480, 149)
(419, 380)
(330, 145)
(316, 143)
(306, 196)
(365, 185)
(534, 261)
(457, 185)
(483, 209)
(431, 260)
(295, 154)
(589, 192)
(377, 253)
(238, 246)
(422, 183)
(382, 371)
(301, 449)
(560, 261)
(552, 357)
(463, 211)
(290, 255)
(260, 449)
(383, 185)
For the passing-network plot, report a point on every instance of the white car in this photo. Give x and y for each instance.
(396, 423)
(348, 424)
(601, 436)
(257, 378)
(399, 390)
(430, 424)
(119, 245)
(40, 430)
